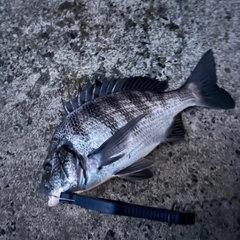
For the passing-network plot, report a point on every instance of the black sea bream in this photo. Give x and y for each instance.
(110, 127)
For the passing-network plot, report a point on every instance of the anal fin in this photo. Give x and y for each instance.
(176, 131)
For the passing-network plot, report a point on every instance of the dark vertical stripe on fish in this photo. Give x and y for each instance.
(161, 99)
(148, 96)
(137, 100)
(116, 106)
(101, 116)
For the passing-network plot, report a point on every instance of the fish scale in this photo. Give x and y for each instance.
(109, 128)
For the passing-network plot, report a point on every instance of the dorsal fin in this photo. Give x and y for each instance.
(98, 89)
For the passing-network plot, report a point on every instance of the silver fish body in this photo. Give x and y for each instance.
(147, 134)
(109, 135)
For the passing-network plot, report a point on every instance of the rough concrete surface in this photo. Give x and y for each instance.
(49, 47)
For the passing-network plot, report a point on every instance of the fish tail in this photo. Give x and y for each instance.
(203, 84)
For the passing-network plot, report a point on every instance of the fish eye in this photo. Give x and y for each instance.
(47, 167)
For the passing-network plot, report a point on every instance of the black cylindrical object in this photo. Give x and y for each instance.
(125, 209)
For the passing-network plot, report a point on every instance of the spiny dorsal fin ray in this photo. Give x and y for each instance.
(98, 89)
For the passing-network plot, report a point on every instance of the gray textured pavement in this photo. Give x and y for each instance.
(49, 47)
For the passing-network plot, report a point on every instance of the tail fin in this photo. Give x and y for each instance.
(203, 84)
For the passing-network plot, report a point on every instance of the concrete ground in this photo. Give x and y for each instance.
(49, 47)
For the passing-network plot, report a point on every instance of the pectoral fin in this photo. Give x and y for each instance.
(137, 171)
(137, 176)
(140, 165)
(113, 149)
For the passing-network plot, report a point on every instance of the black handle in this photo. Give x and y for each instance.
(125, 209)
(158, 214)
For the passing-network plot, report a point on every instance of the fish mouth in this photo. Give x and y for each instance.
(54, 198)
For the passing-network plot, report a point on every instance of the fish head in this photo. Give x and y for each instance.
(62, 172)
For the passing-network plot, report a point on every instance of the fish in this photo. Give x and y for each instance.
(109, 127)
